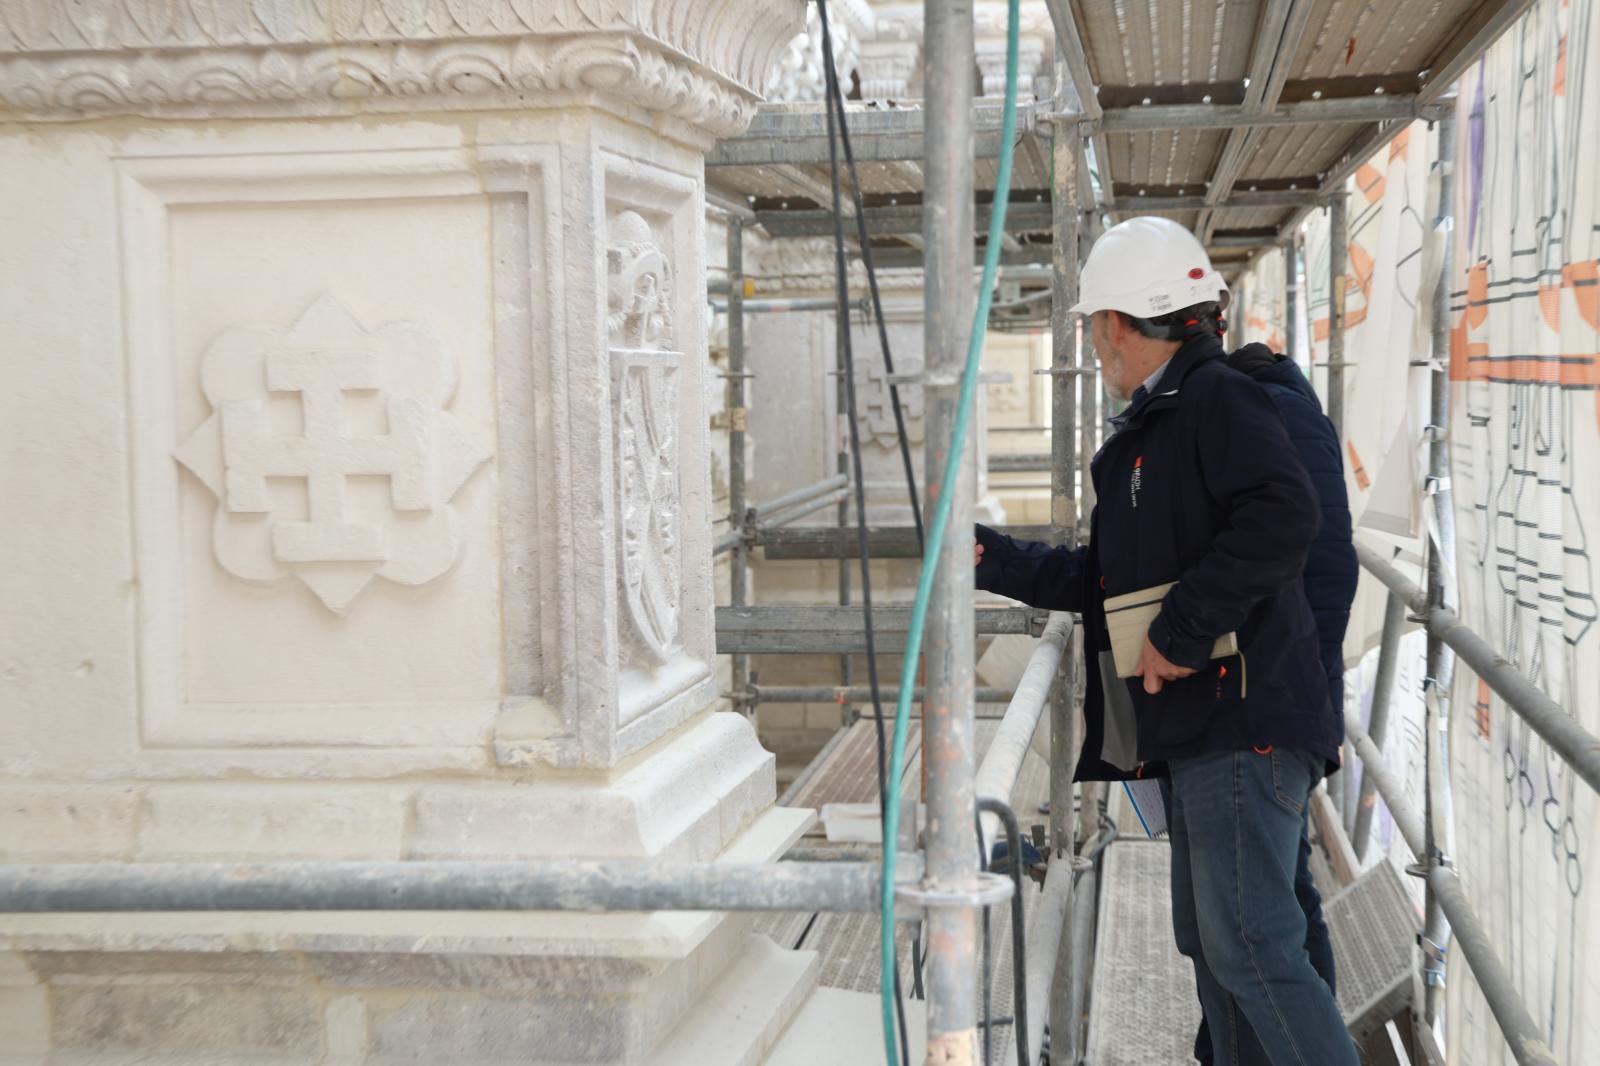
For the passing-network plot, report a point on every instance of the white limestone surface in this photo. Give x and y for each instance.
(358, 503)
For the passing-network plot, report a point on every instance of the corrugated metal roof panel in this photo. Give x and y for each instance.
(1354, 37)
(1139, 42)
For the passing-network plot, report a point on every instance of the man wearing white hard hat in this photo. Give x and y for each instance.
(1193, 610)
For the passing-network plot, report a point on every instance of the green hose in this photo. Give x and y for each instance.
(936, 532)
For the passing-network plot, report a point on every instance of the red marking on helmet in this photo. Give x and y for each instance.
(1197, 273)
(1192, 322)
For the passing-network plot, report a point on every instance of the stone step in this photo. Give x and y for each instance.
(844, 1028)
(739, 1020)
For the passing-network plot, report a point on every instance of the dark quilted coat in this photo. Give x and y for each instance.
(1331, 568)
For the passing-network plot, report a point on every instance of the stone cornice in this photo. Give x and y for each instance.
(700, 61)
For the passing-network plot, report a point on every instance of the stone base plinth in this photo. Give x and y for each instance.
(403, 987)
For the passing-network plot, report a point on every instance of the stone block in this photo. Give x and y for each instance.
(14, 970)
(781, 717)
(165, 967)
(271, 821)
(345, 1025)
(223, 1020)
(682, 798)
(24, 1020)
(61, 824)
(437, 1027)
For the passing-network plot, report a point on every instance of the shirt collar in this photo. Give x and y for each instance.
(1150, 382)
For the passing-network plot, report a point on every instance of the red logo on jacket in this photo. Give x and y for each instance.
(1137, 481)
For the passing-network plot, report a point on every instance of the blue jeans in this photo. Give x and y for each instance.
(1237, 824)
(1319, 947)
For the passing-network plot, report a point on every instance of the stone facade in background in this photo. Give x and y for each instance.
(359, 395)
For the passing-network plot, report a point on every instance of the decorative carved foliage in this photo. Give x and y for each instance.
(644, 391)
(647, 489)
(698, 60)
(426, 455)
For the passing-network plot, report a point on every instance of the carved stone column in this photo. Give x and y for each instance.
(360, 373)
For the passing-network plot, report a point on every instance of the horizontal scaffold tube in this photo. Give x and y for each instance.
(855, 694)
(997, 776)
(803, 494)
(544, 885)
(1579, 748)
(1510, 1012)
(832, 630)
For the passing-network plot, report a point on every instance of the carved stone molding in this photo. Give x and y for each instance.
(890, 69)
(701, 61)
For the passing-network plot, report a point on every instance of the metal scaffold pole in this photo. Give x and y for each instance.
(1066, 158)
(736, 428)
(1338, 251)
(947, 725)
(1338, 237)
(1066, 155)
(1441, 574)
(1291, 294)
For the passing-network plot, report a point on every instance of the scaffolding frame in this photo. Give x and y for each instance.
(941, 881)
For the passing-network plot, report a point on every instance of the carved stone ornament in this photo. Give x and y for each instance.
(701, 61)
(325, 542)
(644, 390)
(647, 490)
(875, 405)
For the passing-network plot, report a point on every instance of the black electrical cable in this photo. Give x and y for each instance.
(842, 282)
(1019, 969)
(836, 101)
(989, 970)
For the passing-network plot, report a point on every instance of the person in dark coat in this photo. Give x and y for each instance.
(1330, 577)
(1201, 485)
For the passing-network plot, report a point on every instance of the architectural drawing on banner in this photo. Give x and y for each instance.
(1525, 368)
(290, 474)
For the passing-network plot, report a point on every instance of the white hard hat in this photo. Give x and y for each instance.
(1145, 267)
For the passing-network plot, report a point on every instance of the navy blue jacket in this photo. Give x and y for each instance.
(1201, 485)
(1331, 570)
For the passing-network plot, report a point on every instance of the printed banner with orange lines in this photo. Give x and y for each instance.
(1525, 374)
(1524, 367)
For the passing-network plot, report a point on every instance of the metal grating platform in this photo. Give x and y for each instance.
(1142, 1007)
(1374, 930)
(848, 943)
(849, 772)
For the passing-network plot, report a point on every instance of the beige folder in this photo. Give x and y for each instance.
(1128, 619)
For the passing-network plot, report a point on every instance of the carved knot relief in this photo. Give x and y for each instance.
(875, 405)
(287, 503)
(638, 286)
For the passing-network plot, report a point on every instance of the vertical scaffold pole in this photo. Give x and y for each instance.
(1338, 244)
(734, 396)
(947, 723)
(1065, 387)
(1441, 574)
(1291, 296)
(1066, 155)
(1338, 251)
